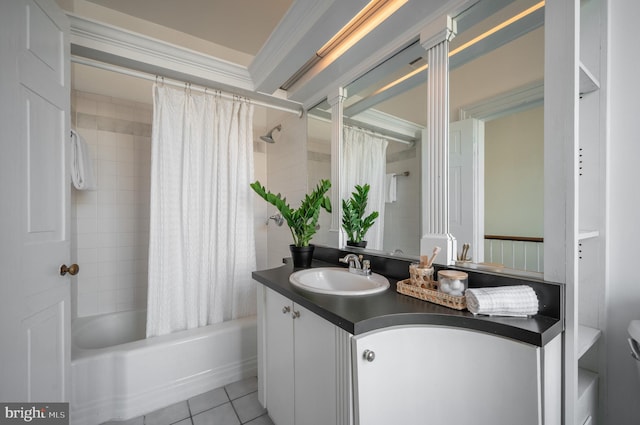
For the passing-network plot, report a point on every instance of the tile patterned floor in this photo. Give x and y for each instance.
(233, 404)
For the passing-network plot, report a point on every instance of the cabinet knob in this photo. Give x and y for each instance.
(369, 355)
(286, 309)
(295, 314)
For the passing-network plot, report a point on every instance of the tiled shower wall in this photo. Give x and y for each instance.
(110, 226)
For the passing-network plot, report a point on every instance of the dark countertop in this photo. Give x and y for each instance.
(360, 314)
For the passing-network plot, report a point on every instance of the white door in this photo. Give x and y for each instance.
(279, 358)
(315, 368)
(466, 185)
(34, 191)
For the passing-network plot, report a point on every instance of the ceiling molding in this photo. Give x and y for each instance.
(516, 100)
(378, 119)
(116, 46)
(90, 35)
(301, 16)
(393, 35)
(304, 29)
(383, 124)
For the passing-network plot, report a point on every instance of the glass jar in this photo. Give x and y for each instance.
(453, 282)
(421, 277)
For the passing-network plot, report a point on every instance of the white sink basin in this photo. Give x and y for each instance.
(338, 281)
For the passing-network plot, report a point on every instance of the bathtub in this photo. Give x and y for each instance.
(117, 374)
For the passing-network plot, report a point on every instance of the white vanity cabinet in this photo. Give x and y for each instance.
(300, 363)
(312, 372)
(449, 376)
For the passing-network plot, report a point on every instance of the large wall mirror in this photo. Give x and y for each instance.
(496, 141)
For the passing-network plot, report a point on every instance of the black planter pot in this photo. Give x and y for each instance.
(302, 256)
(361, 244)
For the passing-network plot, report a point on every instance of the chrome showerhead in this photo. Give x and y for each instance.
(269, 136)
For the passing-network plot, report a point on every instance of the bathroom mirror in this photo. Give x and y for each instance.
(498, 82)
(319, 166)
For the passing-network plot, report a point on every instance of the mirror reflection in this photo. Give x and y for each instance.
(496, 141)
(319, 166)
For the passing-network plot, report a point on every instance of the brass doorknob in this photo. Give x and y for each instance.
(72, 269)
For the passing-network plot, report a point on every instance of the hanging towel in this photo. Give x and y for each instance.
(81, 166)
(516, 301)
(390, 188)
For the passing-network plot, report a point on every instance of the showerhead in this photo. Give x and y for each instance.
(269, 136)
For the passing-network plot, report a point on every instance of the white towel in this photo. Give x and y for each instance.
(81, 166)
(517, 301)
(390, 188)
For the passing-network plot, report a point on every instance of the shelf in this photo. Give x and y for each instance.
(587, 337)
(587, 395)
(588, 82)
(587, 234)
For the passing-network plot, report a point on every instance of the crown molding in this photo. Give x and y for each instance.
(381, 120)
(516, 100)
(104, 42)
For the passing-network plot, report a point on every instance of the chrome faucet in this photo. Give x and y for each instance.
(357, 265)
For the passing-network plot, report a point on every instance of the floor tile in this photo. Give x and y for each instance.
(242, 388)
(262, 420)
(169, 415)
(135, 421)
(221, 415)
(208, 400)
(248, 407)
(184, 422)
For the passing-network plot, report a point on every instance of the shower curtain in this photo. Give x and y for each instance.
(365, 161)
(201, 240)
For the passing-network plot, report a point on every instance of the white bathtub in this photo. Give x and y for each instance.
(117, 374)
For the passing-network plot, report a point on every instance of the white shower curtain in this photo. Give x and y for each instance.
(365, 161)
(201, 240)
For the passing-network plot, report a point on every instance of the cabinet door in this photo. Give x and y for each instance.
(279, 358)
(315, 369)
(445, 376)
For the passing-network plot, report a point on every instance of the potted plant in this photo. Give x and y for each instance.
(353, 221)
(301, 221)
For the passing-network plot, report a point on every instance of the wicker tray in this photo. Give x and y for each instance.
(405, 287)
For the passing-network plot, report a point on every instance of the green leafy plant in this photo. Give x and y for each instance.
(301, 221)
(353, 209)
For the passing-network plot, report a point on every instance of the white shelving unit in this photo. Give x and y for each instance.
(590, 212)
(575, 193)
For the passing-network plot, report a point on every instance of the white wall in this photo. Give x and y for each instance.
(623, 398)
(514, 174)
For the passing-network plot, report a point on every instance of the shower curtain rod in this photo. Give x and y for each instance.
(149, 77)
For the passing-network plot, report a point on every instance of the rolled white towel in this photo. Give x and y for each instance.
(82, 173)
(516, 301)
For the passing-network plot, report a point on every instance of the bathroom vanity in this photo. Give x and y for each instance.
(388, 358)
